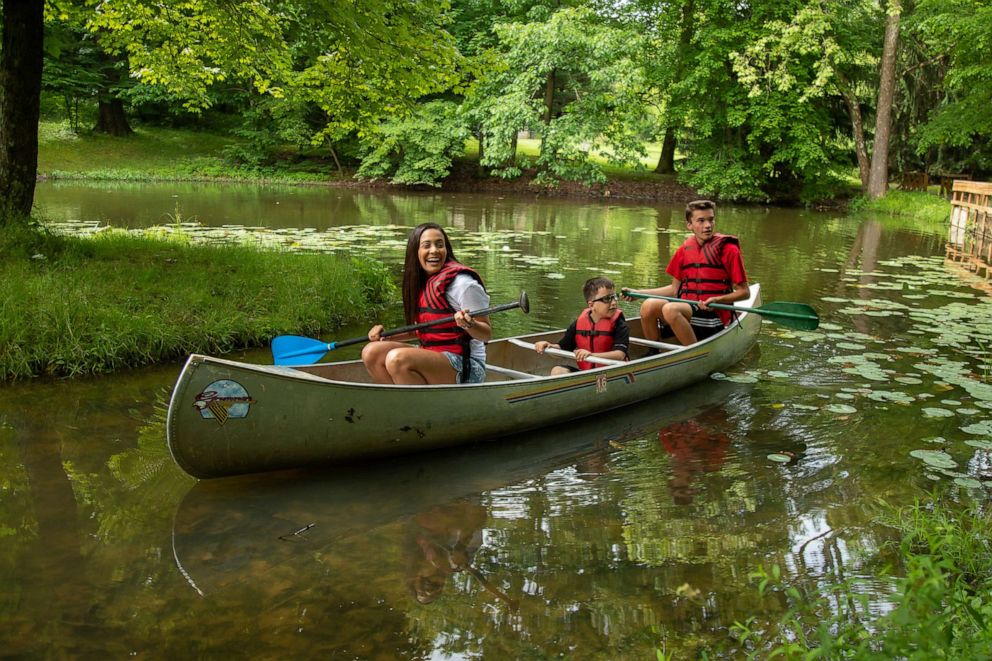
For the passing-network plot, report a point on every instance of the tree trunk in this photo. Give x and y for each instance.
(111, 119)
(21, 57)
(878, 181)
(666, 162)
(858, 129)
(549, 97)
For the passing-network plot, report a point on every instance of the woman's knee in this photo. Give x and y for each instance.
(398, 360)
(372, 352)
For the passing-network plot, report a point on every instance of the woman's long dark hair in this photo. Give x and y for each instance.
(414, 277)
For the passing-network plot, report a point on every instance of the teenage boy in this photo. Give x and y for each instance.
(708, 268)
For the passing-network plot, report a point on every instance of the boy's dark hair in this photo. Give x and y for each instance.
(698, 205)
(593, 285)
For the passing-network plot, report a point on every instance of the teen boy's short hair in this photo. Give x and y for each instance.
(593, 285)
(698, 205)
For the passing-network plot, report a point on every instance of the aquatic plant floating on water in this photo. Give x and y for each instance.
(935, 458)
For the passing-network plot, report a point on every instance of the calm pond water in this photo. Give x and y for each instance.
(614, 537)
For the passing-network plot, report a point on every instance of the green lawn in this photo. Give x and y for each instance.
(149, 150)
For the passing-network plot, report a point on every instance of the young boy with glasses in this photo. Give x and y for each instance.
(600, 330)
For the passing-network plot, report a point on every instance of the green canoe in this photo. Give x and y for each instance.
(230, 418)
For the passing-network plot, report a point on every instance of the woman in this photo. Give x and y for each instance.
(435, 286)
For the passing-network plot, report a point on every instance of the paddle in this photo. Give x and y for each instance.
(792, 315)
(296, 350)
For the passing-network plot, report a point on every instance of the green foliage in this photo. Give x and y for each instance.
(956, 32)
(84, 306)
(415, 149)
(574, 79)
(941, 602)
(759, 95)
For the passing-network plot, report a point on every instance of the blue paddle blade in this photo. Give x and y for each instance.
(296, 350)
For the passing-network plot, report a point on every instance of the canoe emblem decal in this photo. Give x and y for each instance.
(223, 400)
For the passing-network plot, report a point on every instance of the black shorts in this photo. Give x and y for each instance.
(705, 323)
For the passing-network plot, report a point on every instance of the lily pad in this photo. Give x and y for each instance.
(890, 396)
(968, 482)
(935, 458)
(981, 445)
(840, 408)
(742, 378)
(779, 458)
(983, 428)
(937, 413)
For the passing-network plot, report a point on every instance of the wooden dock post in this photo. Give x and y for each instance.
(969, 240)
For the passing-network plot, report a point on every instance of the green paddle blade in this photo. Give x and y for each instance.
(793, 315)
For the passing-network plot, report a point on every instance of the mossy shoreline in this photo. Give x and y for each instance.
(79, 306)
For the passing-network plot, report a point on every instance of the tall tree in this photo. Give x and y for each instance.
(20, 104)
(596, 102)
(878, 182)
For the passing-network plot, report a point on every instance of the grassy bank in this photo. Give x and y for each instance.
(919, 205)
(75, 306)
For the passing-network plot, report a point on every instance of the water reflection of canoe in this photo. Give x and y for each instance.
(229, 418)
(226, 531)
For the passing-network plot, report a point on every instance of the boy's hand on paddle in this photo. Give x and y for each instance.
(582, 354)
(540, 346)
(624, 295)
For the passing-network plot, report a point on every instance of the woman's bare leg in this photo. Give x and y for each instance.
(374, 356)
(415, 366)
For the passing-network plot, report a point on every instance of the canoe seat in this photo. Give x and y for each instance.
(506, 371)
(655, 345)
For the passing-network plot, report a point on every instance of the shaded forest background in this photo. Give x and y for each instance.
(765, 100)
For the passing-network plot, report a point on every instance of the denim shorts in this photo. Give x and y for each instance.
(476, 368)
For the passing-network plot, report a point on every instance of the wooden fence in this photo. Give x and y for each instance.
(970, 239)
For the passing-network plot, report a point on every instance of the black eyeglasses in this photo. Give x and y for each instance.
(609, 298)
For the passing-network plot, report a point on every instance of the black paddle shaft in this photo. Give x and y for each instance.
(523, 304)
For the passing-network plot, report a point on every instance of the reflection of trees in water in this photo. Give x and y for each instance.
(84, 545)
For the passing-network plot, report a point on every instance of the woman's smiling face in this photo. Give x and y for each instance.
(432, 252)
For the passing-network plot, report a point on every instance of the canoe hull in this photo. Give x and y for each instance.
(228, 418)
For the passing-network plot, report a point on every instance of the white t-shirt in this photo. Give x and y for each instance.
(463, 293)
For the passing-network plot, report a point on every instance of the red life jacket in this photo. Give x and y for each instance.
(433, 305)
(703, 274)
(594, 338)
